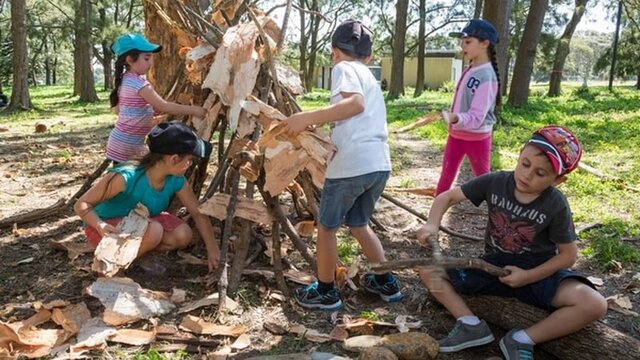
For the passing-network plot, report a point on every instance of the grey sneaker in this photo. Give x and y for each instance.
(464, 336)
(513, 350)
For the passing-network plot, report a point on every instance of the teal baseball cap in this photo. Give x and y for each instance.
(127, 42)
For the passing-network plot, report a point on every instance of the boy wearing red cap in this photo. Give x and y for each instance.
(531, 234)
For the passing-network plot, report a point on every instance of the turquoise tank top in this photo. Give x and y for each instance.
(138, 190)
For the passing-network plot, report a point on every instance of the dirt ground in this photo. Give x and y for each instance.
(39, 169)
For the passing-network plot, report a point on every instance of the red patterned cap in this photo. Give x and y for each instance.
(561, 147)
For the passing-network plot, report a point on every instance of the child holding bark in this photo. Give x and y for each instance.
(357, 174)
(135, 100)
(159, 175)
(530, 233)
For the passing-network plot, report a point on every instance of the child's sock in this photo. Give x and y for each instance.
(469, 320)
(324, 287)
(382, 279)
(522, 337)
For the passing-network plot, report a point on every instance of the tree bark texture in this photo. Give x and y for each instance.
(497, 12)
(167, 66)
(84, 84)
(477, 11)
(519, 91)
(20, 98)
(396, 84)
(562, 50)
(596, 341)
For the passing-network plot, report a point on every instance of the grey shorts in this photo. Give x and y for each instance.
(351, 201)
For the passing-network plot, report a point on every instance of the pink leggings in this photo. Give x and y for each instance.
(478, 152)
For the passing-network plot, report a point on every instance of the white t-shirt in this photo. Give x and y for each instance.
(362, 139)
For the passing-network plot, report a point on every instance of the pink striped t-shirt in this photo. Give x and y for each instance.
(135, 120)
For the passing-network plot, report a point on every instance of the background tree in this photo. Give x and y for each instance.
(396, 84)
(20, 97)
(562, 51)
(497, 12)
(421, 44)
(627, 64)
(83, 81)
(519, 91)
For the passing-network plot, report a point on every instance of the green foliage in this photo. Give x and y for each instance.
(153, 354)
(447, 87)
(606, 246)
(370, 315)
(348, 249)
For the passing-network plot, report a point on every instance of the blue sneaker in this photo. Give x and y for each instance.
(309, 297)
(389, 292)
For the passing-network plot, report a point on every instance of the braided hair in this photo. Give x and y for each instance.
(121, 65)
(494, 62)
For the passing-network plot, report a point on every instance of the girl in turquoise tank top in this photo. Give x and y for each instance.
(153, 182)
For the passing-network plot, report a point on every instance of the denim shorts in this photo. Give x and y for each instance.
(539, 294)
(351, 201)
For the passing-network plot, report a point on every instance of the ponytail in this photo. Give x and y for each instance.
(494, 62)
(121, 65)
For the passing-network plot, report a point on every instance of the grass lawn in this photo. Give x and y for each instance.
(607, 124)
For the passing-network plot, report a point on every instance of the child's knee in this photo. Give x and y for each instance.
(154, 233)
(595, 304)
(182, 236)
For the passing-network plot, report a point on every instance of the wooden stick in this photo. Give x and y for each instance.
(446, 263)
(224, 246)
(419, 215)
(277, 258)
(420, 122)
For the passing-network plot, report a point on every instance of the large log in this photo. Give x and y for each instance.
(596, 341)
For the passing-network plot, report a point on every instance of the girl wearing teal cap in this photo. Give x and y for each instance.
(134, 99)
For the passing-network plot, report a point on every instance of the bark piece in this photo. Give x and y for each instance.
(197, 325)
(133, 337)
(411, 345)
(235, 69)
(206, 301)
(126, 301)
(71, 317)
(92, 336)
(290, 79)
(117, 251)
(309, 334)
(24, 338)
(72, 248)
(246, 208)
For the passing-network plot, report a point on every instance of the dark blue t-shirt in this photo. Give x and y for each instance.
(516, 228)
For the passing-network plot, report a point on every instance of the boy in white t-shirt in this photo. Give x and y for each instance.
(358, 172)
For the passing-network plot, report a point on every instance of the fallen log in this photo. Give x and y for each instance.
(596, 341)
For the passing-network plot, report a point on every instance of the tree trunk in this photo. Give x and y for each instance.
(519, 91)
(47, 64)
(313, 46)
(107, 56)
(166, 64)
(596, 341)
(20, 98)
(562, 51)
(84, 83)
(497, 12)
(421, 41)
(303, 46)
(478, 9)
(396, 85)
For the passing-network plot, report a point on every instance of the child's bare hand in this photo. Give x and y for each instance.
(517, 278)
(105, 228)
(213, 256)
(295, 124)
(425, 232)
(201, 112)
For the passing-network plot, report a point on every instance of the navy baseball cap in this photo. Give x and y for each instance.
(478, 28)
(353, 36)
(176, 137)
(127, 42)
